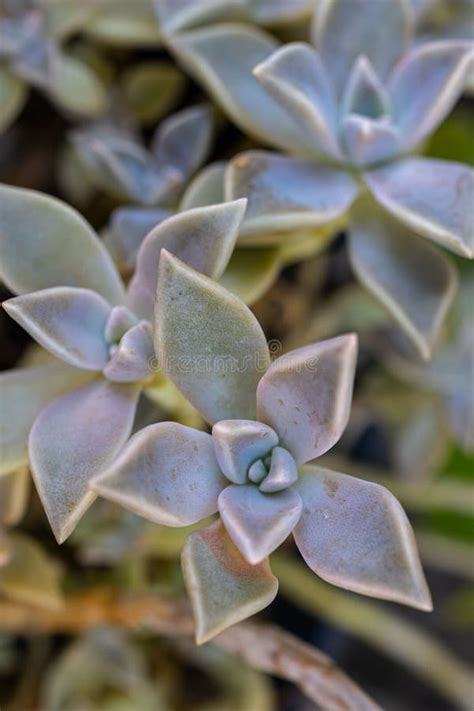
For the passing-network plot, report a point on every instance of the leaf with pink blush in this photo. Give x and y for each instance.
(132, 359)
(68, 322)
(24, 392)
(208, 342)
(256, 522)
(355, 534)
(306, 396)
(223, 587)
(73, 439)
(46, 243)
(203, 238)
(167, 473)
(426, 84)
(238, 443)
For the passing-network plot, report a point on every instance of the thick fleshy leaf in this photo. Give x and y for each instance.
(73, 439)
(433, 197)
(124, 24)
(412, 279)
(127, 229)
(283, 472)
(364, 93)
(257, 471)
(24, 392)
(13, 94)
(224, 589)
(346, 29)
(222, 58)
(355, 534)
(251, 272)
(286, 193)
(258, 523)
(426, 85)
(76, 88)
(296, 78)
(67, 321)
(208, 342)
(183, 140)
(133, 357)
(369, 140)
(167, 473)
(177, 15)
(151, 89)
(207, 188)
(14, 491)
(238, 443)
(45, 243)
(30, 576)
(203, 238)
(280, 11)
(120, 320)
(306, 396)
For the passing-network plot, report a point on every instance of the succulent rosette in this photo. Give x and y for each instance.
(31, 34)
(70, 417)
(350, 109)
(269, 420)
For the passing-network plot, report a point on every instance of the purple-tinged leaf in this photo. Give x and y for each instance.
(177, 15)
(283, 472)
(222, 58)
(364, 93)
(224, 589)
(45, 243)
(432, 197)
(257, 471)
(71, 441)
(208, 342)
(306, 396)
(67, 321)
(296, 78)
(132, 359)
(286, 193)
(203, 238)
(238, 443)
(207, 188)
(258, 523)
(167, 473)
(120, 320)
(411, 278)
(126, 231)
(24, 392)
(346, 29)
(369, 140)
(355, 534)
(425, 86)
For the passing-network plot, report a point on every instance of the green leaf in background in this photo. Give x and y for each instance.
(454, 139)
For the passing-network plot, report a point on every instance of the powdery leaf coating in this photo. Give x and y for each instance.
(342, 32)
(283, 472)
(167, 473)
(222, 57)
(238, 443)
(433, 197)
(120, 320)
(355, 534)
(67, 321)
(412, 279)
(306, 396)
(207, 342)
(258, 523)
(24, 392)
(295, 77)
(45, 243)
(132, 360)
(127, 228)
(73, 439)
(203, 238)
(176, 15)
(224, 589)
(426, 84)
(364, 93)
(206, 188)
(368, 141)
(287, 193)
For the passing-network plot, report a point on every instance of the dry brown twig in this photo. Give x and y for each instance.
(263, 646)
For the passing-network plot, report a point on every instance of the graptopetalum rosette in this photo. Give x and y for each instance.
(350, 110)
(269, 422)
(69, 419)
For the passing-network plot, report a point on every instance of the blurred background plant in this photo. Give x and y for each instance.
(102, 623)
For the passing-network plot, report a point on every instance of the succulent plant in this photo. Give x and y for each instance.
(148, 182)
(70, 418)
(268, 421)
(349, 113)
(31, 34)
